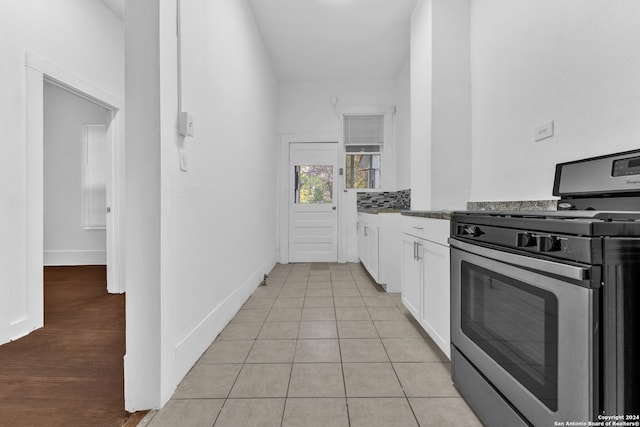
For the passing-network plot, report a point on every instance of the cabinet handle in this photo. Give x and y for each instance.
(365, 231)
(418, 246)
(415, 246)
(418, 228)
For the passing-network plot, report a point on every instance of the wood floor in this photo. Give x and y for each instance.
(69, 373)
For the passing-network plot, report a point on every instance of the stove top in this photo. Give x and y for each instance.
(599, 197)
(588, 215)
(577, 223)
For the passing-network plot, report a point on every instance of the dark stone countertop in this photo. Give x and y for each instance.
(429, 214)
(471, 206)
(376, 211)
(514, 205)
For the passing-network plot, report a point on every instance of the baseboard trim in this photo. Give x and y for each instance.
(75, 257)
(196, 342)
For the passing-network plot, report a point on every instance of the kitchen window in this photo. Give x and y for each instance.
(363, 142)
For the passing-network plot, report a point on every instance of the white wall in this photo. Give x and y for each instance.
(304, 107)
(451, 98)
(142, 361)
(213, 235)
(402, 127)
(421, 115)
(66, 241)
(81, 37)
(305, 113)
(575, 62)
(440, 105)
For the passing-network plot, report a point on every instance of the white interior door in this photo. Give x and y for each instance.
(313, 216)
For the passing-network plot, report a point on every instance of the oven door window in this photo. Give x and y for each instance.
(516, 324)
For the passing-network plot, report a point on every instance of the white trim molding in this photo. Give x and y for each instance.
(78, 85)
(196, 342)
(39, 70)
(74, 257)
(283, 194)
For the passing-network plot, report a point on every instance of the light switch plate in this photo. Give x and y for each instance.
(183, 160)
(185, 124)
(543, 131)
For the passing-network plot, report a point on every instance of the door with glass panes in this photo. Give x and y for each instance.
(313, 218)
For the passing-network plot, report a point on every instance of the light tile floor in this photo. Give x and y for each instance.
(319, 345)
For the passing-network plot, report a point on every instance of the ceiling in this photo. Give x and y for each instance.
(117, 6)
(314, 40)
(335, 39)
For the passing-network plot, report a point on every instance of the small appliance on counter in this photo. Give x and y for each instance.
(545, 324)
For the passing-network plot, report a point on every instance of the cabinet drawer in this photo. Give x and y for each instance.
(434, 230)
(370, 219)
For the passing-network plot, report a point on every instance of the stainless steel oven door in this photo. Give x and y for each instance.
(528, 329)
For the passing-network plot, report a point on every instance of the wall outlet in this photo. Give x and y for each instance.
(543, 131)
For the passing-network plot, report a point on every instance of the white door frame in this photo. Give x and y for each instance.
(284, 193)
(38, 71)
(320, 215)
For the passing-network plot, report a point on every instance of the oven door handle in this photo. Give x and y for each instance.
(559, 269)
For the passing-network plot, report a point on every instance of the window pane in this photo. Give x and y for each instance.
(314, 184)
(363, 171)
(94, 176)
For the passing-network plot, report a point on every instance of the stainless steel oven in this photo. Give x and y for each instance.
(529, 328)
(545, 327)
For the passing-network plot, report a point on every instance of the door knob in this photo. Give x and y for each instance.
(333, 207)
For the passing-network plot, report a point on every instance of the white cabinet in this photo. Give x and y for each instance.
(425, 277)
(379, 250)
(372, 239)
(435, 293)
(411, 276)
(369, 248)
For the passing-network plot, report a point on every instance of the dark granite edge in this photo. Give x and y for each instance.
(376, 211)
(429, 214)
(514, 205)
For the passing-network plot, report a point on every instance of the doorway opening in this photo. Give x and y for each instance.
(107, 136)
(41, 73)
(76, 181)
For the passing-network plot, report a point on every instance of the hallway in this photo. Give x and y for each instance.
(319, 345)
(71, 371)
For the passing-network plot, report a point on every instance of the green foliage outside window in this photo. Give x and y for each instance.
(315, 184)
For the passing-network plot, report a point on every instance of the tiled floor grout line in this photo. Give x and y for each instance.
(244, 363)
(393, 366)
(354, 329)
(344, 380)
(286, 397)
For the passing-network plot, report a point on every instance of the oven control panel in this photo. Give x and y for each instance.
(599, 177)
(539, 242)
(523, 239)
(574, 248)
(626, 167)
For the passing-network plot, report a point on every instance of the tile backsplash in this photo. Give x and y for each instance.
(385, 199)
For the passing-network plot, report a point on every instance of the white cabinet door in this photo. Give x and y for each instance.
(369, 248)
(411, 277)
(362, 253)
(435, 294)
(373, 252)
